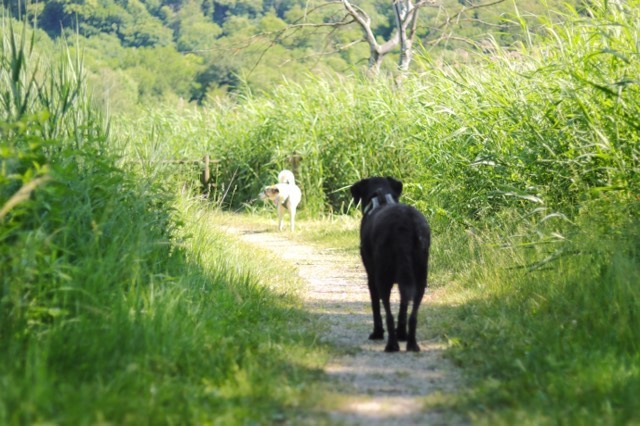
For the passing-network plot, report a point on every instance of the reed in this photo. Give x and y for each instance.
(118, 301)
(123, 304)
(526, 163)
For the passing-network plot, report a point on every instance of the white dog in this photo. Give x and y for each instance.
(285, 195)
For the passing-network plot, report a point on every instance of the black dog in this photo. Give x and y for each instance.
(394, 245)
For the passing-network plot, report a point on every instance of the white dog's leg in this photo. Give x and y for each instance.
(280, 217)
(292, 216)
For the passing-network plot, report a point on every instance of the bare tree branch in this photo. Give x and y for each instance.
(338, 49)
(406, 13)
(467, 9)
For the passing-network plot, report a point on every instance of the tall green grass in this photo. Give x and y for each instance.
(528, 127)
(118, 301)
(526, 161)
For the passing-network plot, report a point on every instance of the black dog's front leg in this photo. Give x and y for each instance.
(378, 330)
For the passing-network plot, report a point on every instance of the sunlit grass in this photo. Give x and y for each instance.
(121, 301)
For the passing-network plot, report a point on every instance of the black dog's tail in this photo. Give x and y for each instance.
(411, 259)
(404, 255)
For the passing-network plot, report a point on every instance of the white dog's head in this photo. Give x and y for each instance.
(270, 193)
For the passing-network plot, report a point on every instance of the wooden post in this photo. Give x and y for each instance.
(205, 178)
(295, 160)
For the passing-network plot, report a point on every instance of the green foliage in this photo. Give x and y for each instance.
(525, 160)
(526, 163)
(262, 43)
(549, 332)
(132, 23)
(118, 302)
(470, 141)
(161, 72)
(195, 32)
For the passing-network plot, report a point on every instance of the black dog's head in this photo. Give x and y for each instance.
(376, 187)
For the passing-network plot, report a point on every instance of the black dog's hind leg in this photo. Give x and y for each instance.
(401, 331)
(378, 331)
(412, 343)
(392, 340)
(405, 277)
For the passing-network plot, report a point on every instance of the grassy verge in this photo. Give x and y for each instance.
(552, 342)
(206, 337)
(119, 302)
(539, 343)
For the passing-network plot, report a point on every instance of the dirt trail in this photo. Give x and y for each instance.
(376, 388)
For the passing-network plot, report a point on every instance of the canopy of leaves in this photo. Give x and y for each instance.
(198, 49)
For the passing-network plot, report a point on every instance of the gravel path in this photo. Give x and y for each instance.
(374, 387)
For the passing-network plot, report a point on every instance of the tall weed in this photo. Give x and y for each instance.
(527, 162)
(548, 125)
(118, 302)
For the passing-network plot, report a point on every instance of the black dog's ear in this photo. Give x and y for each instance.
(396, 186)
(356, 191)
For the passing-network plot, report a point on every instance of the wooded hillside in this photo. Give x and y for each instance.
(142, 51)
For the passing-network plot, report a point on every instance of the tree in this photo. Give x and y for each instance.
(194, 31)
(406, 21)
(406, 15)
(400, 39)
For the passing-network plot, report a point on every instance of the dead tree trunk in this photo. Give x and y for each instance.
(406, 20)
